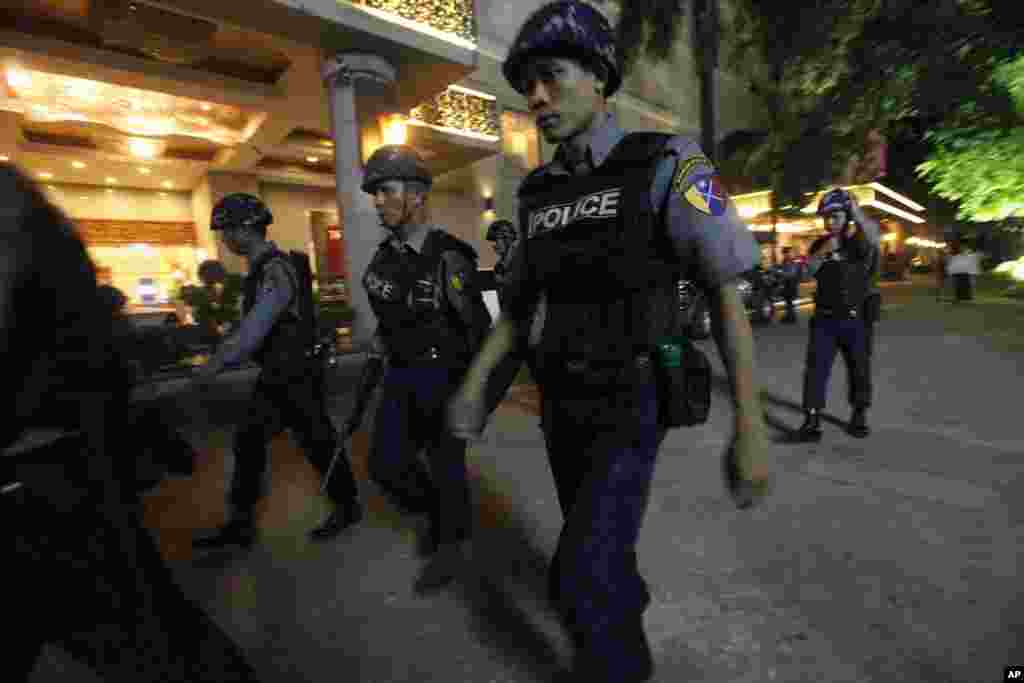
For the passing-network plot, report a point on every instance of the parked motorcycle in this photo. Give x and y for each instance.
(760, 290)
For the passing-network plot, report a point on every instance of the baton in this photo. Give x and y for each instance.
(330, 468)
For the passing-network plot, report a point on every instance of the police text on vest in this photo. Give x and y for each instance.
(604, 204)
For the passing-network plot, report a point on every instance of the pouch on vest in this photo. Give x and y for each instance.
(684, 383)
(873, 308)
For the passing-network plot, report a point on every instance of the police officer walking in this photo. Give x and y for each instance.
(841, 261)
(80, 570)
(790, 284)
(431, 320)
(607, 228)
(278, 331)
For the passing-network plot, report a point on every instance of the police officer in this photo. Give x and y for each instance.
(431, 320)
(278, 331)
(502, 234)
(606, 229)
(505, 238)
(790, 285)
(80, 571)
(841, 261)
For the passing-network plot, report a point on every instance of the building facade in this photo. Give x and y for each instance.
(138, 116)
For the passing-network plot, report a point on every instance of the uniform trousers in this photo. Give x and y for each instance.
(296, 402)
(68, 581)
(602, 450)
(410, 419)
(848, 336)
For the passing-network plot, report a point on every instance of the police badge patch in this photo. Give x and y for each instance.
(703, 190)
(456, 281)
(707, 195)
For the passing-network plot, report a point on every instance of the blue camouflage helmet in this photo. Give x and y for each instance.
(835, 200)
(395, 162)
(240, 210)
(569, 29)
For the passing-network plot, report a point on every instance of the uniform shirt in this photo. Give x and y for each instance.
(871, 232)
(457, 272)
(719, 248)
(273, 300)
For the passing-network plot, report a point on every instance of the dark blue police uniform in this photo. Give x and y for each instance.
(603, 242)
(432, 319)
(844, 281)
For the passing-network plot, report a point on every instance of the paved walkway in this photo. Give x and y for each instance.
(894, 558)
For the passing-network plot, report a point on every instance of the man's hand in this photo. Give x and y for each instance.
(467, 412)
(747, 469)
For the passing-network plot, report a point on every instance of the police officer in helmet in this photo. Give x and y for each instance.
(431, 320)
(502, 234)
(278, 331)
(607, 230)
(842, 262)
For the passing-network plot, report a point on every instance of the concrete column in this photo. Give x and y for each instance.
(373, 78)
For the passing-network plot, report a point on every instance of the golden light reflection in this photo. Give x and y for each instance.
(393, 130)
(145, 149)
(46, 98)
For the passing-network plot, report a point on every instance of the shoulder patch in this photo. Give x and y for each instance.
(455, 280)
(683, 170)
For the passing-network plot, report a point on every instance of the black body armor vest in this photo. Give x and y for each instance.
(407, 295)
(292, 337)
(844, 279)
(593, 245)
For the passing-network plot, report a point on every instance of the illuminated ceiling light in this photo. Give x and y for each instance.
(327, 143)
(47, 98)
(393, 130)
(889, 237)
(163, 194)
(879, 187)
(111, 180)
(455, 131)
(45, 175)
(144, 171)
(77, 164)
(18, 79)
(893, 210)
(312, 160)
(4, 157)
(146, 149)
(168, 184)
(206, 106)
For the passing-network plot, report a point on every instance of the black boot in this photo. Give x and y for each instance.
(859, 422)
(810, 430)
(342, 517)
(240, 530)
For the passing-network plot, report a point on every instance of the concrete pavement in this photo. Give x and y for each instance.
(893, 558)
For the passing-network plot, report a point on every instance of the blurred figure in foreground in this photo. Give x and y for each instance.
(81, 570)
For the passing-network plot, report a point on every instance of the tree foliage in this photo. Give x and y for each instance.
(978, 153)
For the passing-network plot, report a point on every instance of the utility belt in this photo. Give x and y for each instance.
(838, 313)
(432, 355)
(680, 370)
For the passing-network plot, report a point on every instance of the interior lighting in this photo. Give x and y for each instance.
(17, 79)
(111, 180)
(206, 106)
(879, 187)
(77, 164)
(312, 160)
(394, 129)
(896, 211)
(45, 175)
(146, 149)
(144, 171)
(168, 184)
(4, 157)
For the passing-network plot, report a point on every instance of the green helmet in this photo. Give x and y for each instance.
(395, 162)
